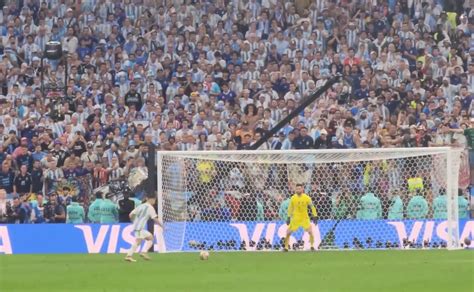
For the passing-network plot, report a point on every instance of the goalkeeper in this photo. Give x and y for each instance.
(298, 215)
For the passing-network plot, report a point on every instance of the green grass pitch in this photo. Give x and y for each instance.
(434, 270)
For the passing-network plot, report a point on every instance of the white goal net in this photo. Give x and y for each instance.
(365, 198)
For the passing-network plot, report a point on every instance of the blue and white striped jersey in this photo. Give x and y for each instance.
(142, 214)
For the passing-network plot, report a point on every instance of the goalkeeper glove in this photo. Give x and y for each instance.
(315, 220)
(288, 221)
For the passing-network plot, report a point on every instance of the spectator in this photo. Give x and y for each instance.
(322, 141)
(207, 80)
(304, 141)
(38, 209)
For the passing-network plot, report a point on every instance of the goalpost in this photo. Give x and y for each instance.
(365, 198)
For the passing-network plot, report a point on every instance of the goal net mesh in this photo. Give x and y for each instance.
(364, 199)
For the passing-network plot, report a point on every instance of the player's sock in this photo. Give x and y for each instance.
(132, 249)
(148, 245)
(311, 240)
(287, 241)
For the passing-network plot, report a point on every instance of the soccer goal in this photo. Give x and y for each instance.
(365, 198)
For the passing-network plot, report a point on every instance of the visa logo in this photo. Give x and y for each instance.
(116, 235)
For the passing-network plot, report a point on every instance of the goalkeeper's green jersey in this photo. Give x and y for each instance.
(75, 213)
(94, 211)
(440, 210)
(463, 208)
(395, 211)
(369, 207)
(417, 208)
(108, 212)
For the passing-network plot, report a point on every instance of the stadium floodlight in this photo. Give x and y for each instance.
(363, 197)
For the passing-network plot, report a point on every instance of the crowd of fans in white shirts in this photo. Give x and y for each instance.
(216, 75)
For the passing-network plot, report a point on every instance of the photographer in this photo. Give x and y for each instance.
(54, 211)
(18, 212)
(125, 207)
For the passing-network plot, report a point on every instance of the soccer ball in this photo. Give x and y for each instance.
(467, 241)
(204, 255)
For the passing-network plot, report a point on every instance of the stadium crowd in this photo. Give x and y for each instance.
(146, 75)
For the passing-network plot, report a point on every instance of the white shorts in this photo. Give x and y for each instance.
(142, 234)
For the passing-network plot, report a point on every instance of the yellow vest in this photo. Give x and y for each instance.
(452, 19)
(415, 183)
(421, 59)
(205, 169)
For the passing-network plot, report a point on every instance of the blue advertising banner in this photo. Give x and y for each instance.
(118, 238)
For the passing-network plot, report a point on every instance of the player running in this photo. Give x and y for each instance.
(298, 215)
(140, 216)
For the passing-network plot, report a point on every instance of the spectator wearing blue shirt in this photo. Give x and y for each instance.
(289, 141)
(141, 57)
(303, 141)
(363, 91)
(38, 154)
(37, 209)
(409, 52)
(24, 158)
(281, 86)
(455, 79)
(379, 24)
(29, 130)
(281, 44)
(83, 50)
(227, 95)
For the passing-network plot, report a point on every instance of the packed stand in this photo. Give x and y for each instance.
(147, 75)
